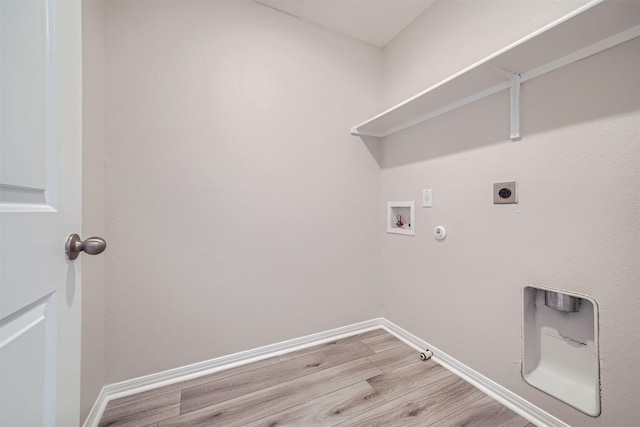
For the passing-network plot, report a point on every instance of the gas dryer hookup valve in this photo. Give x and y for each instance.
(426, 355)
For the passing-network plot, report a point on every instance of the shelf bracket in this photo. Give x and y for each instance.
(515, 81)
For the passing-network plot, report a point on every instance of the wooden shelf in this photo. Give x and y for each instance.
(595, 27)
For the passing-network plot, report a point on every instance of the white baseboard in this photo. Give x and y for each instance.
(509, 399)
(172, 376)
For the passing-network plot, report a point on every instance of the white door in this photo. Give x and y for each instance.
(40, 187)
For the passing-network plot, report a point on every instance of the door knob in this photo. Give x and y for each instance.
(91, 246)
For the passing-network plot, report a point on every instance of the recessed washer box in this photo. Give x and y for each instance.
(401, 217)
(560, 346)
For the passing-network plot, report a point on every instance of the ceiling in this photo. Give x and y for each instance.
(373, 21)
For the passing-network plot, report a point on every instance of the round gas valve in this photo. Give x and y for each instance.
(439, 232)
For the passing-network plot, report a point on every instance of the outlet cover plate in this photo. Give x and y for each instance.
(505, 193)
(427, 198)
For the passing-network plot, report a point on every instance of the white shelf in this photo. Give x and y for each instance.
(595, 27)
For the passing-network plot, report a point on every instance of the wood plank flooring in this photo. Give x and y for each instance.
(371, 379)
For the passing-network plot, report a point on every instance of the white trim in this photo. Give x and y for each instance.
(509, 399)
(93, 419)
(25, 208)
(172, 376)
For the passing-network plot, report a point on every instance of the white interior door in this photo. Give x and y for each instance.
(40, 188)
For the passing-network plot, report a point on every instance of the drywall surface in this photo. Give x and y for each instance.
(239, 210)
(93, 334)
(576, 226)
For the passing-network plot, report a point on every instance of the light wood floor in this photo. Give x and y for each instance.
(372, 379)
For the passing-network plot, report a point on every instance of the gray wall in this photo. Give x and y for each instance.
(93, 334)
(576, 226)
(239, 210)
